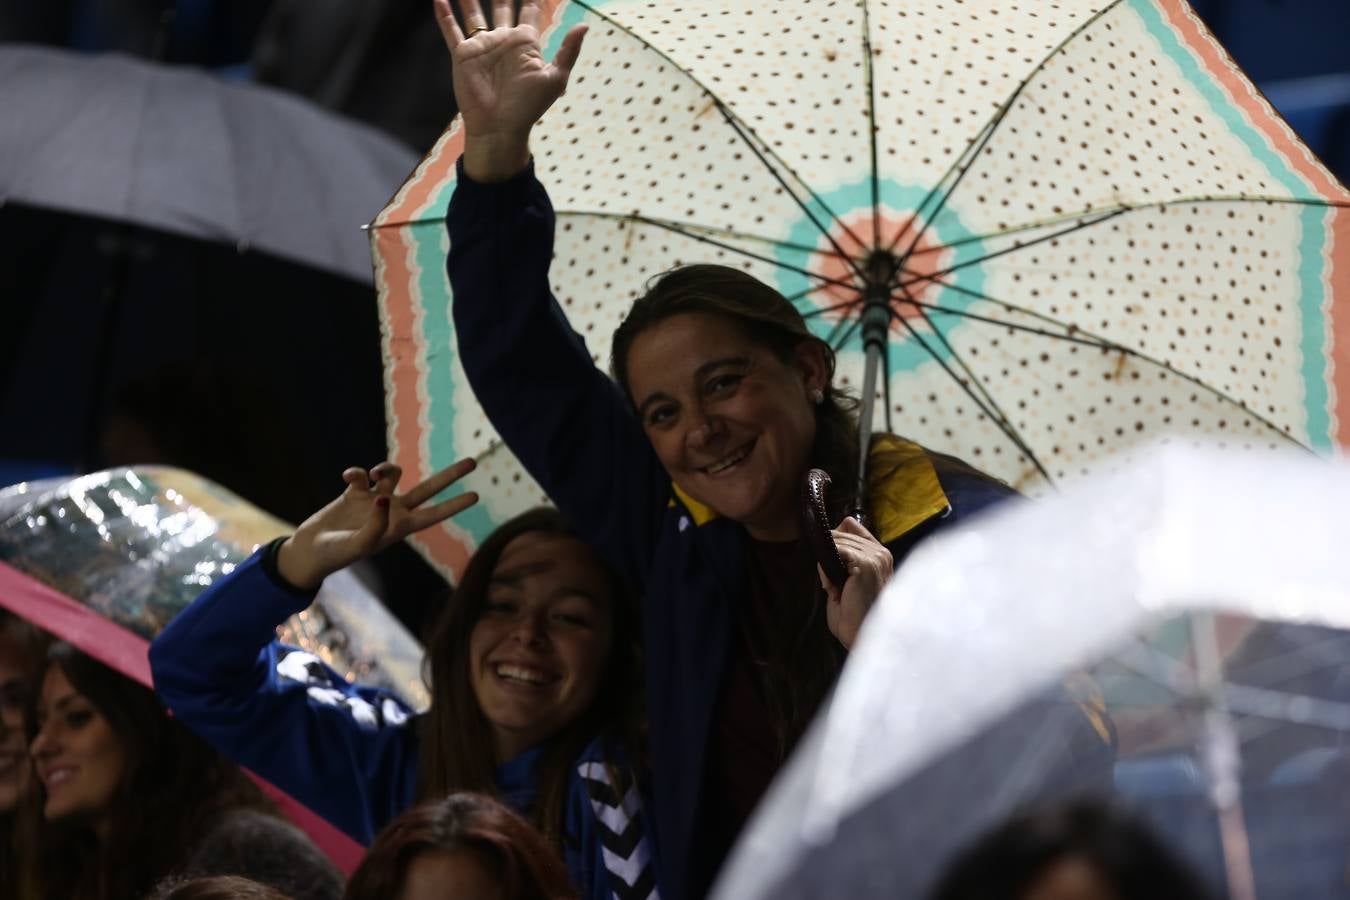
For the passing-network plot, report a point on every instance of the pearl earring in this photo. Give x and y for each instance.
(817, 396)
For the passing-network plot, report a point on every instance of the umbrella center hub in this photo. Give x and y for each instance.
(904, 273)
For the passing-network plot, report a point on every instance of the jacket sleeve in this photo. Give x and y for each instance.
(566, 421)
(347, 752)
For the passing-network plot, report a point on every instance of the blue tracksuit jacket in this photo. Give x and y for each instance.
(348, 752)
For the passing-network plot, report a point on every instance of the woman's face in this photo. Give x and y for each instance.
(731, 422)
(540, 646)
(14, 763)
(450, 875)
(80, 760)
(1070, 878)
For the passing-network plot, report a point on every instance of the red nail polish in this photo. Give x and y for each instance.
(382, 502)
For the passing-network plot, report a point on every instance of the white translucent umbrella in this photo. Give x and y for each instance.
(1202, 592)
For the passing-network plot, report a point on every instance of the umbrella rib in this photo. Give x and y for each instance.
(872, 129)
(732, 248)
(999, 416)
(1177, 201)
(1103, 344)
(997, 419)
(692, 226)
(837, 307)
(965, 264)
(805, 208)
(1104, 215)
(981, 140)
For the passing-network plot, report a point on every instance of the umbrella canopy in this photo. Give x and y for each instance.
(136, 546)
(104, 561)
(186, 253)
(1197, 597)
(182, 151)
(1068, 230)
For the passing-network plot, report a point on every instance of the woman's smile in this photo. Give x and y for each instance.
(732, 424)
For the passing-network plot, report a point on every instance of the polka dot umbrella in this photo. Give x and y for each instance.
(1061, 229)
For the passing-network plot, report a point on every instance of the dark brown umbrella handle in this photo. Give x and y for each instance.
(816, 527)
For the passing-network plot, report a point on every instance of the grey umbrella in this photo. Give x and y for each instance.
(182, 151)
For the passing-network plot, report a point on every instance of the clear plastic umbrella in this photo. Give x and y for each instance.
(105, 560)
(1036, 235)
(1192, 605)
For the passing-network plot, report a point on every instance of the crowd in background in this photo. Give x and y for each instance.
(615, 684)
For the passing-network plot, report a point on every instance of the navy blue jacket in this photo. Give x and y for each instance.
(348, 752)
(575, 432)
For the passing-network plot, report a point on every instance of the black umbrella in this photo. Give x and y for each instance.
(174, 240)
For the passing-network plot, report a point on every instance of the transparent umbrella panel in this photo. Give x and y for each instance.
(1172, 637)
(138, 545)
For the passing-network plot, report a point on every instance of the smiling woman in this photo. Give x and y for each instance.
(688, 473)
(533, 671)
(129, 796)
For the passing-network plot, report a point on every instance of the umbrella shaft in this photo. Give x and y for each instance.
(876, 320)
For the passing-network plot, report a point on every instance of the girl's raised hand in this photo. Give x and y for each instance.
(368, 516)
(503, 85)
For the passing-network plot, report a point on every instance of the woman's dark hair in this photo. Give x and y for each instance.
(457, 749)
(1125, 854)
(217, 887)
(172, 790)
(800, 671)
(526, 867)
(26, 646)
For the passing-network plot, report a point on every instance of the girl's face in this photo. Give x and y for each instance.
(731, 422)
(450, 875)
(540, 646)
(14, 763)
(80, 760)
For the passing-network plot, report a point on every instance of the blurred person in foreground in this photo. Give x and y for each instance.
(1081, 851)
(126, 796)
(465, 847)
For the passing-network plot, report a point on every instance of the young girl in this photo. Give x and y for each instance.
(533, 672)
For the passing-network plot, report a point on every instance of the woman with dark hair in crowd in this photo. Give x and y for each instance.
(21, 652)
(688, 473)
(466, 846)
(130, 796)
(533, 670)
(1082, 851)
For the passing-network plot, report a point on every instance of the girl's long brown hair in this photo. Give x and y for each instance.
(172, 791)
(525, 866)
(803, 667)
(457, 750)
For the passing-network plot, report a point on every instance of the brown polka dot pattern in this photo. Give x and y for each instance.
(1108, 203)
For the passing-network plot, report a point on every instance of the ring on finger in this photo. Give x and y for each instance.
(474, 30)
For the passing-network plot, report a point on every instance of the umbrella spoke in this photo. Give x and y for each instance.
(1281, 706)
(1000, 417)
(1097, 217)
(977, 144)
(996, 418)
(837, 307)
(1017, 245)
(802, 205)
(875, 175)
(693, 234)
(1076, 335)
(843, 332)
